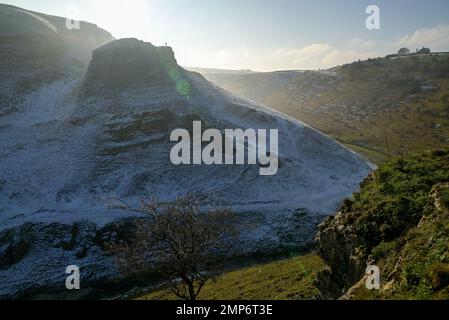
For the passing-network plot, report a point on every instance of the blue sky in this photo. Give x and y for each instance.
(264, 34)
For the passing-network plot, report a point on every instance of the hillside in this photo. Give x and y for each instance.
(80, 135)
(28, 28)
(376, 107)
(37, 50)
(87, 119)
(257, 86)
(399, 221)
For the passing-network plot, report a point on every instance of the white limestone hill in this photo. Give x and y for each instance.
(84, 137)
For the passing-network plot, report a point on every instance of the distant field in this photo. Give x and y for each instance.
(290, 279)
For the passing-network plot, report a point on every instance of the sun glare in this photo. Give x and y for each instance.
(122, 18)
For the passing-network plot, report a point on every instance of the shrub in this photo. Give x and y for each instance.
(383, 250)
(439, 276)
(393, 200)
(440, 153)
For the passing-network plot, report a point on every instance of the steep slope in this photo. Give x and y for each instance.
(398, 221)
(20, 26)
(74, 143)
(111, 119)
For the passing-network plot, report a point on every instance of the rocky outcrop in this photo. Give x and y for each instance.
(345, 254)
(131, 61)
(38, 255)
(14, 245)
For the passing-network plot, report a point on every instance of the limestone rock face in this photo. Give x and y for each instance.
(344, 253)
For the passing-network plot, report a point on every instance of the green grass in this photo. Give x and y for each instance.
(290, 279)
(401, 215)
(395, 197)
(370, 154)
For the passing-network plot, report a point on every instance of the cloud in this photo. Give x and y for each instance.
(313, 56)
(319, 55)
(299, 58)
(364, 44)
(437, 38)
(337, 57)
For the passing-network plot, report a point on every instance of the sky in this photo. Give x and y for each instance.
(264, 35)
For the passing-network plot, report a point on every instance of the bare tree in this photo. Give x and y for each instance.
(182, 242)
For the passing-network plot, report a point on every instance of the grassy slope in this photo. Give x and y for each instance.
(289, 279)
(402, 216)
(418, 269)
(365, 102)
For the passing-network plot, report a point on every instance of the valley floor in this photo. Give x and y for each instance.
(290, 279)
